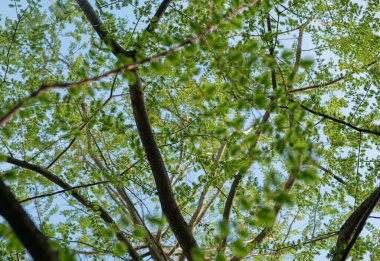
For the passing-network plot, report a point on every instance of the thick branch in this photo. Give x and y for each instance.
(56, 180)
(33, 240)
(168, 203)
(228, 207)
(350, 230)
(169, 206)
(99, 27)
(158, 15)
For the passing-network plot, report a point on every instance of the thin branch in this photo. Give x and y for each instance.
(264, 233)
(13, 39)
(360, 104)
(64, 190)
(238, 177)
(339, 179)
(291, 246)
(357, 169)
(155, 247)
(202, 197)
(326, 116)
(337, 80)
(130, 67)
(85, 124)
(62, 152)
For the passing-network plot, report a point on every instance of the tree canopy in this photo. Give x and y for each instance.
(198, 130)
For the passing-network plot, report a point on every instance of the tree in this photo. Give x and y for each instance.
(172, 130)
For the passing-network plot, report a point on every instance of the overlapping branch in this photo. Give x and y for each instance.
(130, 67)
(58, 181)
(168, 203)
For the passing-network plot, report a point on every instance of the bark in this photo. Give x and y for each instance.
(168, 203)
(99, 28)
(103, 213)
(350, 230)
(236, 183)
(34, 241)
(154, 248)
(228, 207)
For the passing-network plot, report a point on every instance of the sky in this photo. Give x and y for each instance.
(5, 11)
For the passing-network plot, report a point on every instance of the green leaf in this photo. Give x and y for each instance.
(130, 76)
(221, 257)
(239, 248)
(119, 249)
(284, 198)
(308, 175)
(139, 233)
(266, 216)
(224, 228)
(10, 175)
(198, 254)
(307, 62)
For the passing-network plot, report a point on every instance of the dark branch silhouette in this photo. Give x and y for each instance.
(34, 241)
(58, 181)
(351, 229)
(337, 80)
(168, 203)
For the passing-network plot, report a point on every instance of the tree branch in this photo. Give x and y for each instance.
(99, 28)
(339, 79)
(166, 196)
(63, 190)
(129, 67)
(34, 241)
(103, 213)
(350, 230)
(326, 116)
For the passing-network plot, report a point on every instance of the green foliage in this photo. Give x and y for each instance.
(228, 100)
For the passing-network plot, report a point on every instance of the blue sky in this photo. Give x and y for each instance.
(5, 11)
